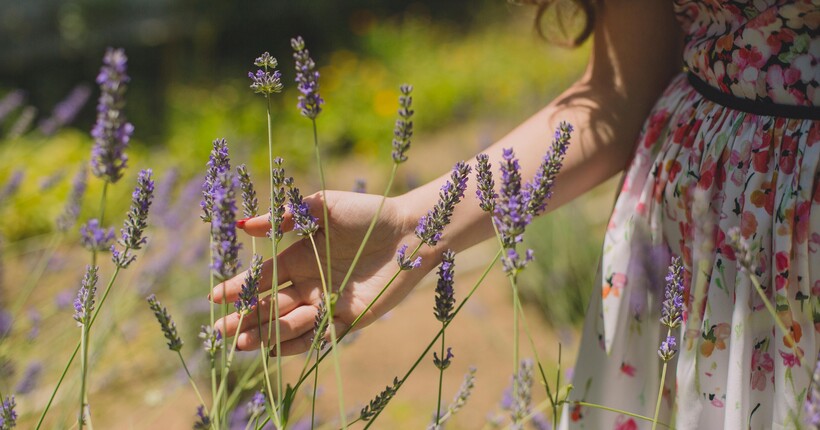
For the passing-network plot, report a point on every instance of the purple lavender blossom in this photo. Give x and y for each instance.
(10, 102)
(539, 421)
(380, 401)
(250, 205)
(443, 363)
(486, 185)
(96, 238)
(307, 80)
(132, 234)
(667, 349)
(6, 322)
(256, 406)
(169, 329)
(8, 416)
(509, 214)
(211, 340)
(30, 378)
(84, 303)
(264, 82)
(522, 397)
(280, 185)
(34, 318)
(513, 264)
(66, 110)
(111, 132)
(163, 194)
(459, 400)
(404, 262)
(12, 186)
(445, 299)
(225, 249)
(218, 163)
(23, 122)
(431, 226)
(539, 189)
(203, 421)
(304, 224)
(63, 299)
(403, 130)
(71, 210)
(672, 307)
(51, 181)
(812, 405)
(248, 296)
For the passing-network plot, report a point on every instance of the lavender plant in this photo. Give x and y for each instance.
(671, 317)
(8, 415)
(443, 311)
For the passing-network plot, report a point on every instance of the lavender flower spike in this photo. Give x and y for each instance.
(459, 400)
(12, 186)
(203, 421)
(522, 397)
(8, 416)
(380, 401)
(404, 125)
(211, 340)
(539, 190)
(223, 228)
(248, 296)
(71, 211)
(218, 162)
(486, 185)
(667, 349)
(111, 132)
(430, 226)
(304, 224)
(250, 205)
(513, 264)
(256, 406)
(404, 262)
(445, 301)
(307, 80)
(132, 234)
(277, 212)
(444, 362)
(95, 238)
(84, 303)
(509, 215)
(169, 329)
(265, 82)
(672, 307)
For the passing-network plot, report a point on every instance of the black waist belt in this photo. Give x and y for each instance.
(751, 106)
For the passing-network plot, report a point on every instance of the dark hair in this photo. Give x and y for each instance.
(564, 13)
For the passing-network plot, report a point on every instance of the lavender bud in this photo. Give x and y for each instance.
(672, 307)
(513, 264)
(380, 401)
(12, 186)
(743, 250)
(169, 329)
(264, 82)
(71, 210)
(248, 296)
(304, 224)
(667, 349)
(136, 221)
(459, 400)
(277, 212)
(223, 228)
(84, 303)
(256, 406)
(486, 185)
(250, 205)
(404, 262)
(265, 60)
(445, 300)
(8, 416)
(111, 132)
(203, 421)
(318, 331)
(95, 238)
(218, 163)
(430, 226)
(522, 397)
(443, 363)
(307, 80)
(211, 340)
(509, 215)
(403, 130)
(539, 189)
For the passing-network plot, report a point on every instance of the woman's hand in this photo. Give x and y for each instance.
(350, 215)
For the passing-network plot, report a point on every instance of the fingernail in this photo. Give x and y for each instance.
(241, 223)
(209, 297)
(238, 348)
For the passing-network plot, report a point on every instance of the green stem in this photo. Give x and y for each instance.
(193, 383)
(333, 340)
(629, 414)
(83, 372)
(212, 320)
(274, 310)
(226, 367)
(440, 332)
(660, 389)
(313, 398)
(440, 379)
(329, 273)
(515, 331)
(369, 229)
(102, 225)
(36, 274)
(527, 331)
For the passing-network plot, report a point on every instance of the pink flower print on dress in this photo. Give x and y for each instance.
(762, 366)
(789, 359)
(628, 369)
(624, 423)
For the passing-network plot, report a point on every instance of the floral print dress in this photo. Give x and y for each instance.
(700, 169)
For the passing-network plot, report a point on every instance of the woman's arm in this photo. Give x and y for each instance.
(636, 52)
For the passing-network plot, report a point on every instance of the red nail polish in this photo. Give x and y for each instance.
(241, 223)
(209, 297)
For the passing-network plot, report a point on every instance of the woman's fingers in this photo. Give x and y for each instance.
(305, 341)
(289, 300)
(260, 226)
(296, 324)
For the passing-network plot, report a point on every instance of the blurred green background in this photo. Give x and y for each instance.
(478, 69)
